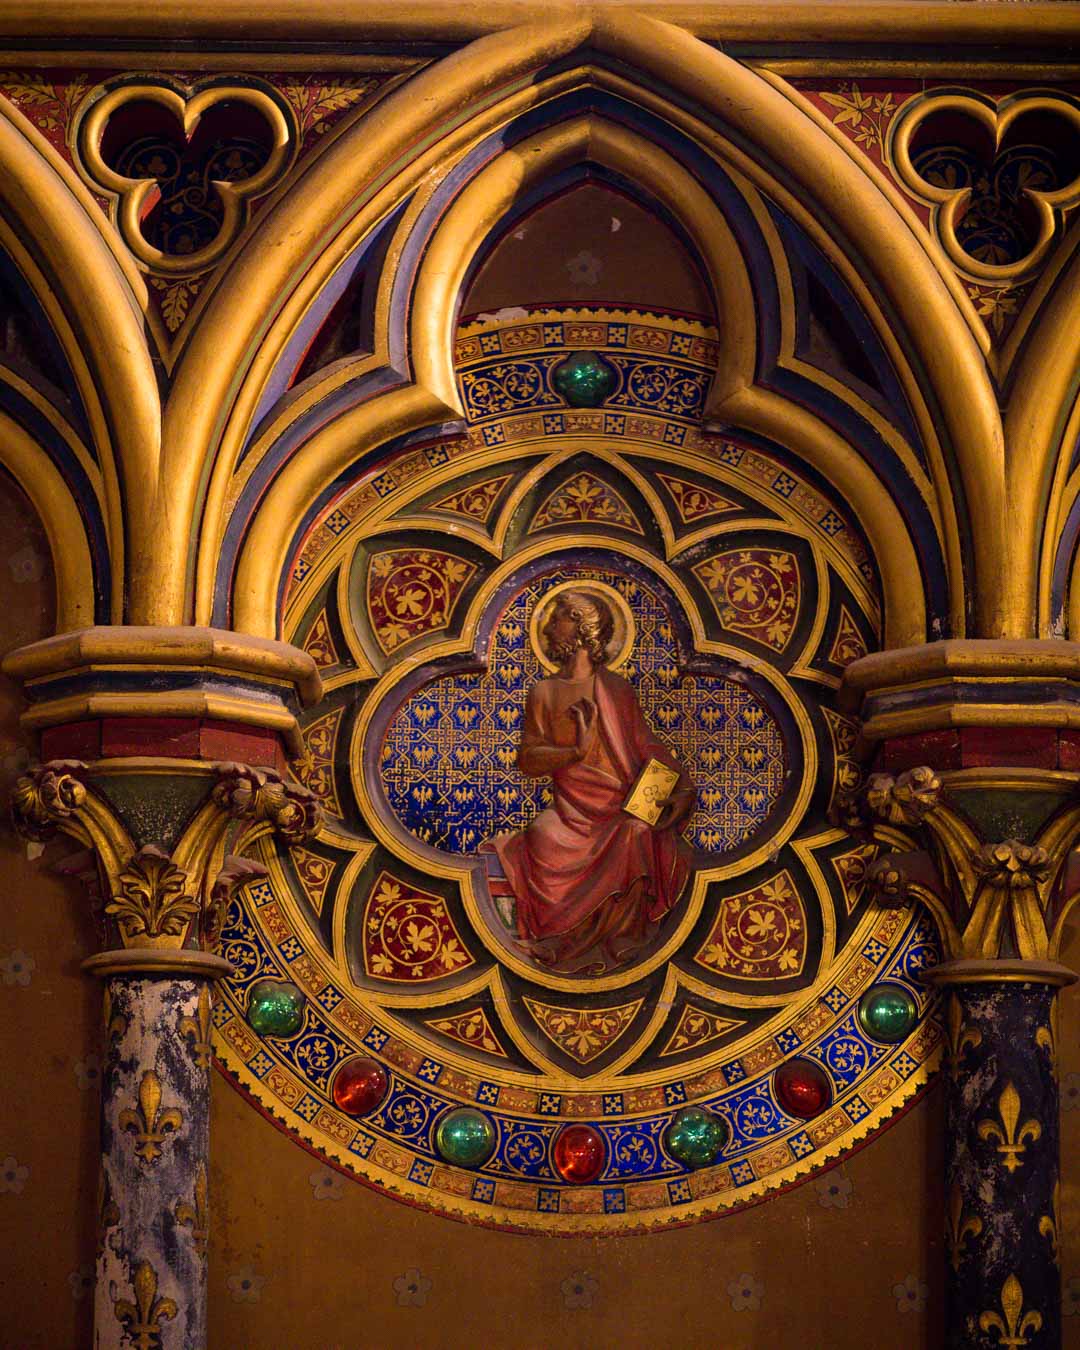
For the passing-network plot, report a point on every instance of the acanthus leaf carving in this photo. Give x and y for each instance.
(151, 900)
(247, 793)
(46, 795)
(906, 800)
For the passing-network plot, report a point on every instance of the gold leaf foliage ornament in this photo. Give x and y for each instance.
(887, 883)
(1011, 865)
(1012, 1330)
(906, 800)
(142, 1319)
(148, 1122)
(1010, 1140)
(864, 116)
(1012, 874)
(151, 901)
(247, 793)
(584, 1033)
(46, 795)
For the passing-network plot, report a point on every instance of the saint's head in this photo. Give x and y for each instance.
(579, 619)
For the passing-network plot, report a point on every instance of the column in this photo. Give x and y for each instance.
(1003, 1284)
(168, 790)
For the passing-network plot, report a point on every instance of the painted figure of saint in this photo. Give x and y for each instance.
(590, 881)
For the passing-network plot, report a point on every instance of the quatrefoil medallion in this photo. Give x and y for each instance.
(995, 167)
(218, 190)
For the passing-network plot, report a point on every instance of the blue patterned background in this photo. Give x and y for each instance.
(449, 756)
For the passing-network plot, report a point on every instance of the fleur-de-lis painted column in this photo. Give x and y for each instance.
(168, 830)
(1002, 1158)
(986, 841)
(155, 1137)
(1002, 1281)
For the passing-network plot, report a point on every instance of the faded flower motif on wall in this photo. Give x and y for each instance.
(911, 1295)
(579, 1290)
(584, 268)
(17, 968)
(13, 1176)
(746, 1293)
(834, 1191)
(326, 1184)
(88, 1073)
(81, 1282)
(1070, 1298)
(411, 1289)
(1070, 1092)
(26, 565)
(245, 1286)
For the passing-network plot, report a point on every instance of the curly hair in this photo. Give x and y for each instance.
(595, 622)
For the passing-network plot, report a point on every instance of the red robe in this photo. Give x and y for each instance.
(592, 882)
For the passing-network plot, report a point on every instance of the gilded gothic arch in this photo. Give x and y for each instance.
(343, 394)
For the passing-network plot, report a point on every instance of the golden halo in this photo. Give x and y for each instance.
(622, 641)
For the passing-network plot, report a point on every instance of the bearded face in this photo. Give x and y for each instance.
(577, 621)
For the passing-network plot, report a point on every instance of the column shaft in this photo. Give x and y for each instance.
(1002, 1163)
(151, 1266)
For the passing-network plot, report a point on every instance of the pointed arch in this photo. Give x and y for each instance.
(61, 251)
(1040, 412)
(474, 214)
(51, 498)
(368, 173)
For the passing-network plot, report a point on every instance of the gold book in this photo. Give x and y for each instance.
(649, 795)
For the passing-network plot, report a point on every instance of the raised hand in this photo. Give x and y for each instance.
(585, 721)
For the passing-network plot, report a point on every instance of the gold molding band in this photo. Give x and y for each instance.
(992, 22)
(183, 963)
(945, 714)
(1016, 779)
(160, 648)
(939, 671)
(1000, 972)
(1027, 658)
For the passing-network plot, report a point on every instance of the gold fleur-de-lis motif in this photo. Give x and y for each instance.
(142, 1319)
(197, 1029)
(197, 1216)
(959, 1227)
(960, 1036)
(108, 1210)
(1013, 1331)
(150, 1124)
(1044, 1037)
(115, 1023)
(1010, 1140)
(1048, 1226)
